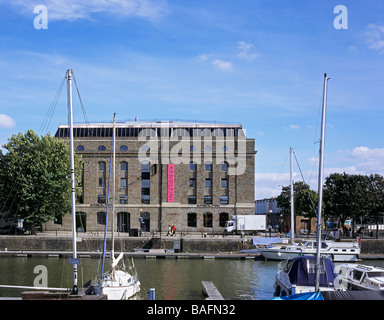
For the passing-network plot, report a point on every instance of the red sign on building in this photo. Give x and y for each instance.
(171, 183)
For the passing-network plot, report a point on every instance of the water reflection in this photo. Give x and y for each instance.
(173, 279)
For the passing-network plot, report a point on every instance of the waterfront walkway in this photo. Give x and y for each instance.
(157, 253)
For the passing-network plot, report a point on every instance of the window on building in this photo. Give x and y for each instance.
(101, 217)
(101, 199)
(81, 222)
(145, 198)
(145, 182)
(224, 166)
(208, 167)
(192, 148)
(102, 148)
(208, 220)
(225, 148)
(145, 170)
(192, 199)
(101, 165)
(123, 182)
(191, 220)
(101, 182)
(123, 165)
(224, 199)
(192, 166)
(192, 182)
(223, 217)
(224, 183)
(123, 148)
(145, 221)
(80, 148)
(123, 199)
(207, 199)
(208, 183)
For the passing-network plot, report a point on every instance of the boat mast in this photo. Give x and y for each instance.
(113, 193)
(292, 200)
(70, 116)
(320, 186)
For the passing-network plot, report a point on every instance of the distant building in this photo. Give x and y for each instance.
(191, 174)
(270, 208)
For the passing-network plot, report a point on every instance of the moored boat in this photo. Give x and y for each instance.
(360, 277)
(336, 251)
(298, 276)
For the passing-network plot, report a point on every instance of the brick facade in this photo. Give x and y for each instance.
(231, 186)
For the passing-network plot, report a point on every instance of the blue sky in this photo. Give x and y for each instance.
(258, 63)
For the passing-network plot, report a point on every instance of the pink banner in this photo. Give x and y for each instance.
(171, 183)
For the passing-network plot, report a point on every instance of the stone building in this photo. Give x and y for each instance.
(194, 175)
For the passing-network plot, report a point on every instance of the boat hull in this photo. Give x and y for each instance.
(281, 254)
(120, 286)
(121, 292)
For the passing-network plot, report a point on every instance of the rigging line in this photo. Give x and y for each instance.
(281, 169)
(47, 120)
(305, 184)
(81, 103)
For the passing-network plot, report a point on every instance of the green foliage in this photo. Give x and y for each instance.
(35, 177)
(346, 196)
(302, 202)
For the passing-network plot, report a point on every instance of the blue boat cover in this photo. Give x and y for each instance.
(301, 271)
(302, 296)
(266, 241)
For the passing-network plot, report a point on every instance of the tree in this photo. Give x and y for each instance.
(302, 201)
(346, 196)
(35, 178)
(376, 198)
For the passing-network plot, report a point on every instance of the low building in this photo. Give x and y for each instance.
(194, 175)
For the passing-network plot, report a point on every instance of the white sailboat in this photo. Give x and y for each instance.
(116, 284)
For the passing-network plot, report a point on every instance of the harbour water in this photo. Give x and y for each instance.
(173, 279)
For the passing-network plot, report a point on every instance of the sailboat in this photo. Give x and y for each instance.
(88, 291)
(336, 251)
(117, 284)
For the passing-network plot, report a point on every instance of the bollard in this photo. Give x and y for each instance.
(152, 294)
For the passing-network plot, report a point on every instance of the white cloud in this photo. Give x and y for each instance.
(246, 52)
(77, 9)
(294, 126)
(223, 65)
(6, 122)
(203, 57)
(375, 37)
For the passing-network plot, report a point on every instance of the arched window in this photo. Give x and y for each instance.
(81, 222)
(123, 165)
(80, 148)
(123, 148)
(102, 148)
(223, 217)
(145, 223)
(208, 220)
